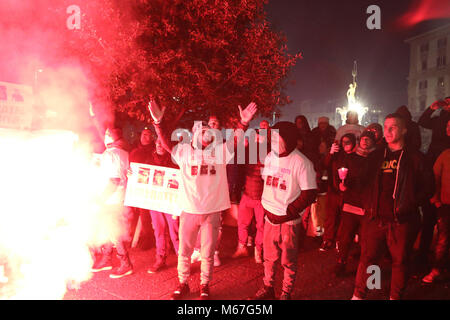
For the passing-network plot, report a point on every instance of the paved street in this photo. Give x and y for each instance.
(238, 279)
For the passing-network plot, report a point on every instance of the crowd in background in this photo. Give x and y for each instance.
(371, 186)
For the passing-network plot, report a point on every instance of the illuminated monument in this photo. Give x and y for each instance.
(352, 102)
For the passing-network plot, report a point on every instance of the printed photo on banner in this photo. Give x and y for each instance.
(153, 188)
(143, 175)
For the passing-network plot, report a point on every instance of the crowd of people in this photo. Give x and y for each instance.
(375, 185)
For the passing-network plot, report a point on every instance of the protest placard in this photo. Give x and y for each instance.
(153, 188)
(16, 103)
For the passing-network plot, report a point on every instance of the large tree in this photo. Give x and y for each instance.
(196, 56)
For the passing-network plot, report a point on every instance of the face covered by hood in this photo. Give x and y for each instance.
(289, 133)
(114, 139)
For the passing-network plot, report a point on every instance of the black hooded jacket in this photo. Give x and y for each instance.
(413, 138)
(413, 186)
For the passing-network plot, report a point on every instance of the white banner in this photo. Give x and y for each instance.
(16, 103)
(154, 188)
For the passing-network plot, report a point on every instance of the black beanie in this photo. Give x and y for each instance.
(369, 134)
(289, 132)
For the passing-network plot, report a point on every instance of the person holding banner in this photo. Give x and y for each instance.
(160, 220)
(143, 154)
(204, 192)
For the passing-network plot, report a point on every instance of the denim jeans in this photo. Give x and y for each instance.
(249, 208)
(160, 222)
(443, 235)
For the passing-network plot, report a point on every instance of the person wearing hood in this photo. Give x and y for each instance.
(441, 200)
(352, 208)
(203, 193)
(306, 143)
(439, 142)
(413, 139)
(333, 161)
(115, 165)
(289, 188)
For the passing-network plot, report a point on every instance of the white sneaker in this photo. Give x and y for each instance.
(196, 256)
(258, 255)
(217, 262)
(319, 231)
(250, 241)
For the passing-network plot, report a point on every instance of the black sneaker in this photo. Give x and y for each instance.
(326, 246)
(122, 271)
(103, 264)
(181, 291)
(204, 292)
(285, 295)
(265, 293)
(159, 264)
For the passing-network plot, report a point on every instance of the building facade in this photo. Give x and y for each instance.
(429, 71)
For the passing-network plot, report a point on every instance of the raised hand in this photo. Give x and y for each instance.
(248, 113)
(91, 110)
(156, 112)
(437, 104)
(334, 148)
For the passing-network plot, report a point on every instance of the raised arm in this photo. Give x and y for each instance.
(425, 119)
(157, 114)
(246, 116)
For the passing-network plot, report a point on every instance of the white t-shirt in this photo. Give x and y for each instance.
(204, 184)
(114, 164)
(284, 180)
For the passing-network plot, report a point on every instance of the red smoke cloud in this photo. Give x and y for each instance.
(422, 10)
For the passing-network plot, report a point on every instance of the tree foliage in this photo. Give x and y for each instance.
(195, 56)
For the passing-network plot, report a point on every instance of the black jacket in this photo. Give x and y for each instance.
(413, 186)
(439, 139)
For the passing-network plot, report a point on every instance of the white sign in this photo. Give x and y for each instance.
(153, 188)
(16, 103)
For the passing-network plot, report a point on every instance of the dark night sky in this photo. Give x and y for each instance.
(332, 34)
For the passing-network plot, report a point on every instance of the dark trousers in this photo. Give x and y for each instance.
(427, 229)
(350, 224)
(333, 211)
(123, 240)
(443, 235)
(399, 239)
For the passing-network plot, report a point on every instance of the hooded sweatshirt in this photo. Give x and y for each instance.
(412, 139)
(289, 179)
